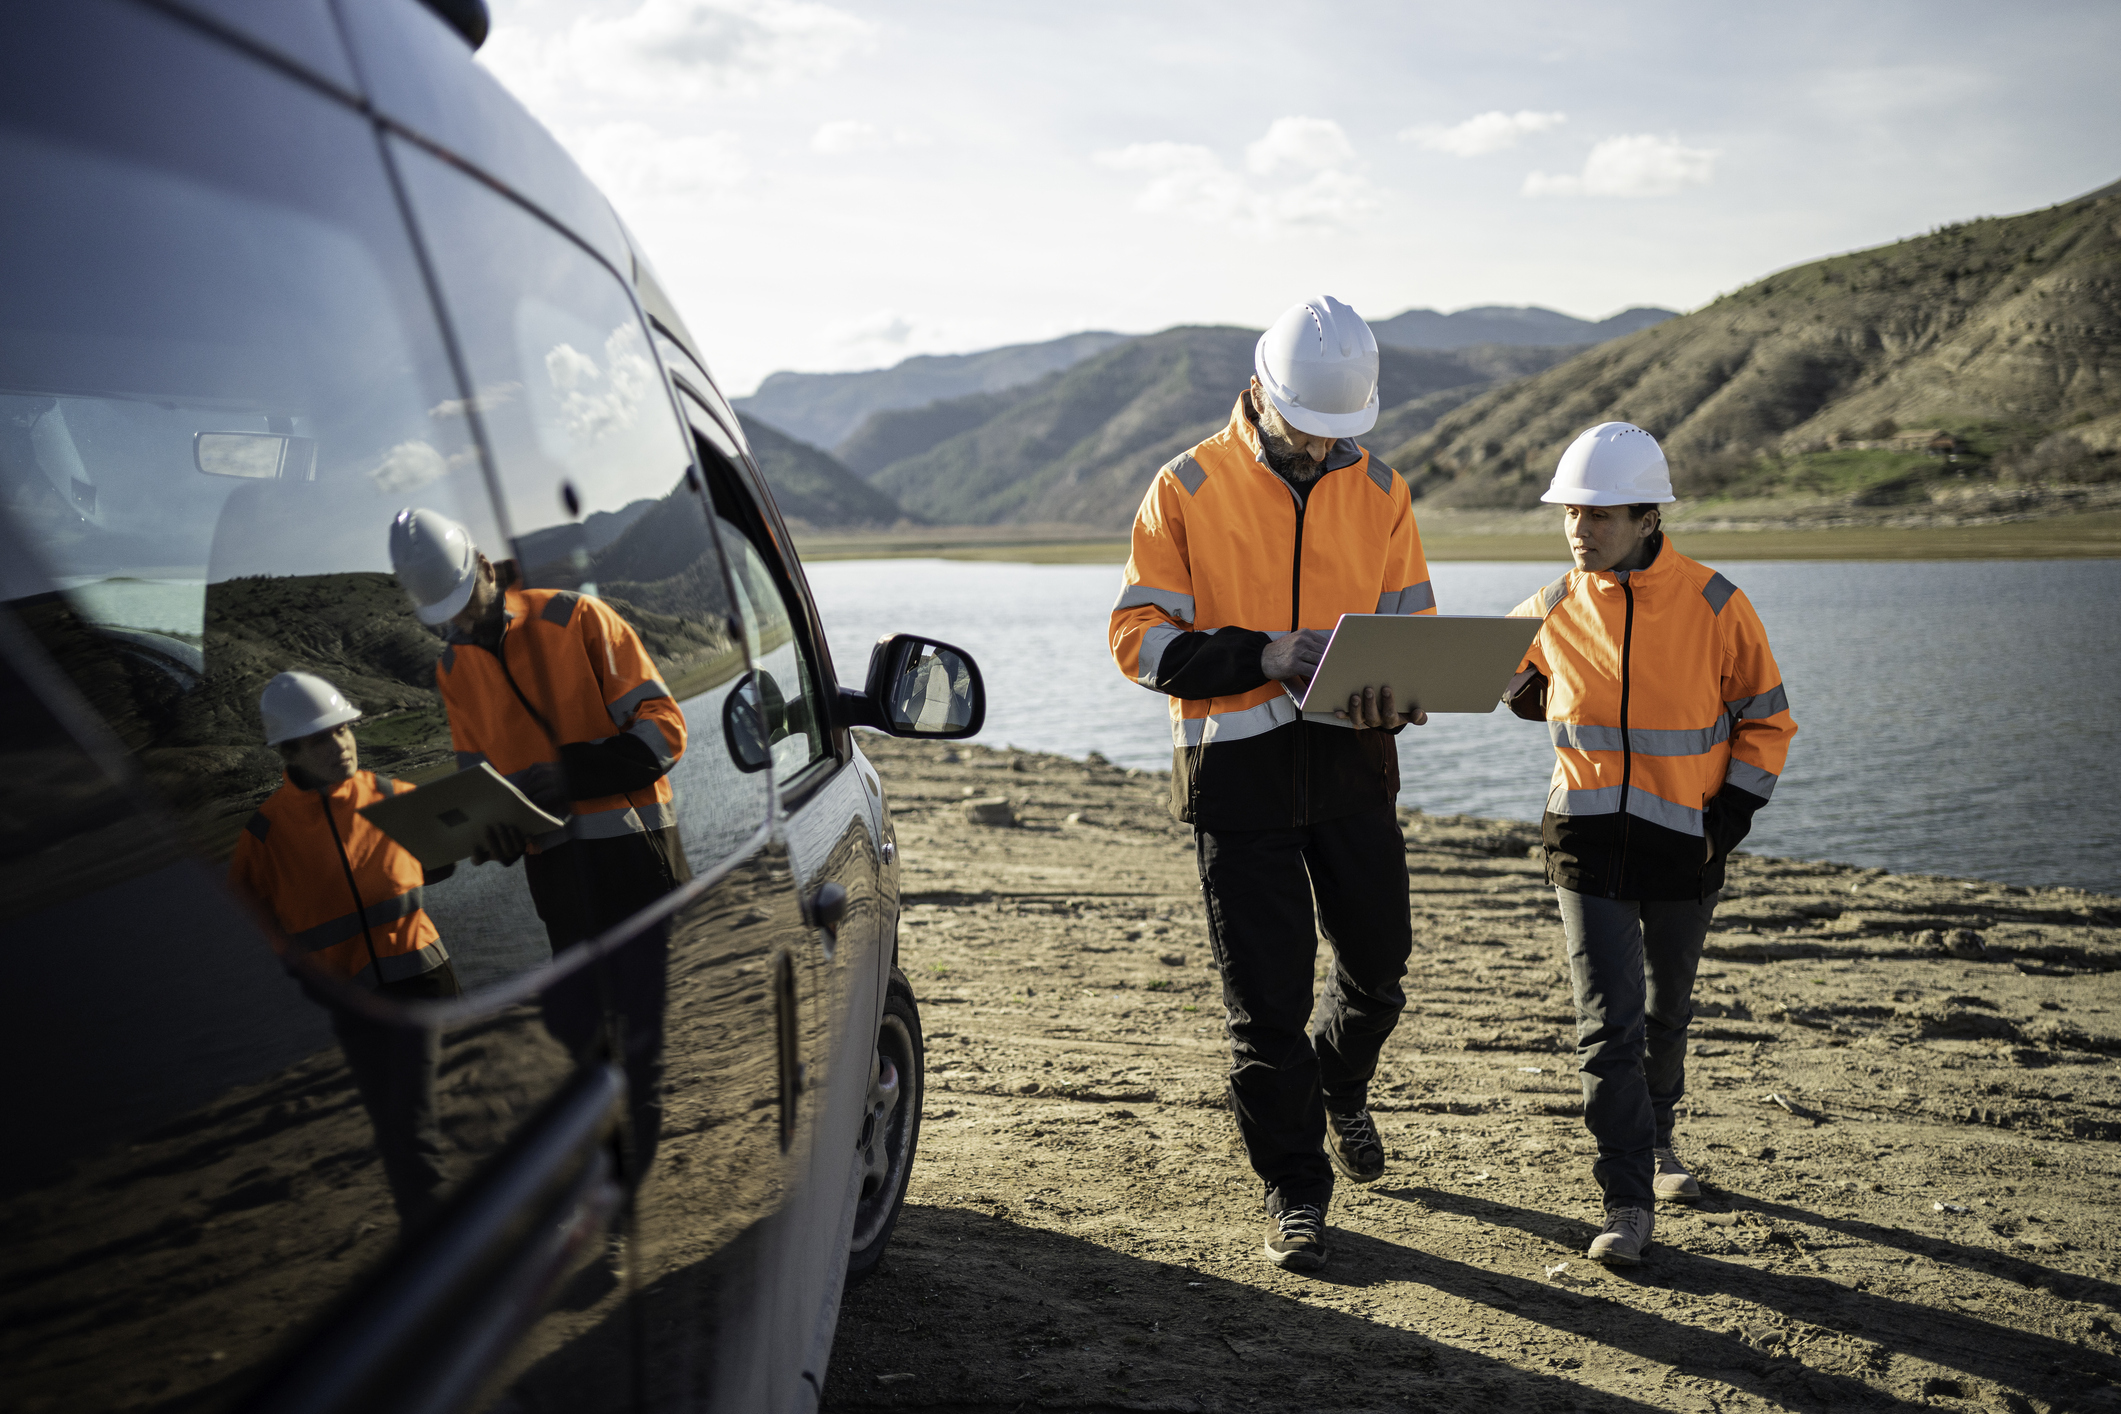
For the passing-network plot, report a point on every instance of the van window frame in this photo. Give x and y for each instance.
(718, 471)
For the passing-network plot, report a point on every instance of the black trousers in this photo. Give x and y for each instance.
(394, 1070)
(1632, 965)
(1259, 886)
(582, 889)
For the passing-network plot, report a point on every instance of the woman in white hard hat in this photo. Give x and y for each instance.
(1670, 727)
(347, 903)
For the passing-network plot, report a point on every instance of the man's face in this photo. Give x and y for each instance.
(1298, 453)
(323, 758)
(1601, 537)
(483, 594)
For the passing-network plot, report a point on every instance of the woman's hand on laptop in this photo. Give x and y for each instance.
(1373, 708)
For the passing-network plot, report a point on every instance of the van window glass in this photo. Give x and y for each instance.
(602, 495)
(220, 376)
(223, 382)
(796, 724)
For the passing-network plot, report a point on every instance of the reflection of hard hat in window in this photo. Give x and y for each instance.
(295, 705)
(436, 563)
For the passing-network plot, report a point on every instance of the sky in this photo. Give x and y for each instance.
(833, 186)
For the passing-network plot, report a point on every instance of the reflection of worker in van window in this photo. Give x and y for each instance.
(557, 693)
(348, 902)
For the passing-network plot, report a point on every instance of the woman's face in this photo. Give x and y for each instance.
(1605, 537)
(323, 758)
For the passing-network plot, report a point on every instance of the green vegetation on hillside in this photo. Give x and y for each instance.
(1831, 378)
(812, 487)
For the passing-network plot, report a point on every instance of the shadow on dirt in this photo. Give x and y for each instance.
(973, 1312)
(2051, 1369)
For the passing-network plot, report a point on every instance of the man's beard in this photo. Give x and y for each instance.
(1284, 459)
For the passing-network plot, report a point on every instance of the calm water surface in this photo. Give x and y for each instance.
(1960, 718)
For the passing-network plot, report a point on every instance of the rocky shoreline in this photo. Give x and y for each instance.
(1904, 1105)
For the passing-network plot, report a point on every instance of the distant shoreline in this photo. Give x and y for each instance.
(2093, 536)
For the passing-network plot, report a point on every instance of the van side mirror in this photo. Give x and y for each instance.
(255, 456)
(919, 687)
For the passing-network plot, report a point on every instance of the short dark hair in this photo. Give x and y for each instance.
(1641, 509)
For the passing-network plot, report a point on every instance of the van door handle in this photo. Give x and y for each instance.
(828, 906)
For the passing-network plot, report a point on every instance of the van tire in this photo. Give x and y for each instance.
(897, 1138)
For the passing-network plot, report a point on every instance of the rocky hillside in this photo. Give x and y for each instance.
(1989, 349)
(1501, 324)
(1081, 446)
(822, 408)
(812, 487)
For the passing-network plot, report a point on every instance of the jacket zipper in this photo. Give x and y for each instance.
(1296, 599)
(1627, 753)
(346, 864)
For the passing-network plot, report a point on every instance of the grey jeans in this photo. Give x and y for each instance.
(1631, 964)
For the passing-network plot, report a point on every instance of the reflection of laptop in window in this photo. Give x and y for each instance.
(443, 821)
(1432, 662)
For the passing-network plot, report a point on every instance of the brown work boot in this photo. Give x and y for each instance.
(1625, 1239)
(1353, 1146)
(1296, 1239)
(1672, 1179)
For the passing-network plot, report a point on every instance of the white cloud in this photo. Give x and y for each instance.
(595, 402)
(1641, 164)
(1191, 181)
(884, 328)
(1483, 133)
(676, 51)
(407, 466)
(844, 136)
(1298, 144)
(634, 163)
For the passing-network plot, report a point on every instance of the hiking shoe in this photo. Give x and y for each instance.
(1353, 1146)
(1625, 1239)
(1673, 1180)
(1297, 1239)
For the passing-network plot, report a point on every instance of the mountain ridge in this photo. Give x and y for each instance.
(823, 408)
(1994, 344)
(1081, 446)
(1510, 324)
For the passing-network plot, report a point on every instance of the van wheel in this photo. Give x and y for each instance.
(891, 1128)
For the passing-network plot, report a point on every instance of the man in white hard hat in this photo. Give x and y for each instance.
(1670, 727)
(348, 904)
(1247, 550)
(558, 694)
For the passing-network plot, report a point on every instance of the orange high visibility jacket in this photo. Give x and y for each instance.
(1669, 722)
(568, 680)
(1226, 557)
(347, 897)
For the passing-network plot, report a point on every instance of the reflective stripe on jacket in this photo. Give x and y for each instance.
(294, 857)
(1666, 711)
(1225, 558)
(567, 670)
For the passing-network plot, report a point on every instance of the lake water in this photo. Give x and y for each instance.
(1957, 718)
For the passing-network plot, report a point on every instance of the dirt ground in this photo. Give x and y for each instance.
(1904, 1107)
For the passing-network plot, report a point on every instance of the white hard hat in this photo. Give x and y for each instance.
(296, 705)
(436, 563)
(1318, 363)
(1612, 464)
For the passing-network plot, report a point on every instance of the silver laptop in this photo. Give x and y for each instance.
(443, 821)
(1432, 662)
